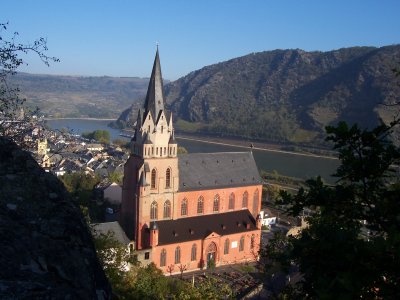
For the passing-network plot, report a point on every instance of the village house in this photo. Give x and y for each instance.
(191, 211)
(108, 191)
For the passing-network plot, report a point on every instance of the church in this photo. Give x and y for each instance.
(189, 211)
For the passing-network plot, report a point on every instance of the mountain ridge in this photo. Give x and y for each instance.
(79, 96)
(287, 95)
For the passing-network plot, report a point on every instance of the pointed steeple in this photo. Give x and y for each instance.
(155, 97)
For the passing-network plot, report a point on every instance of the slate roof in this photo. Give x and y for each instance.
(198, 171)
(113, 227)
(154, 101)
(197, 228)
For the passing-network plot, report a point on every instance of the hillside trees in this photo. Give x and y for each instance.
(11, 105)
(351, 248)
(148, 282)
(102, 136)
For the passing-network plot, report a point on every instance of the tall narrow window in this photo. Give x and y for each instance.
(162, 129)
(255, 202)
(194, 252)
(184, 207)
(178, 255)
(153, 211)
(216, 203)
(231, 201)
(200, 205)
(245, 199)
(241, 244)
(168, 178)
(226, 246)
(167, 209)
(252, 241)
(153, 178)
(163, 258)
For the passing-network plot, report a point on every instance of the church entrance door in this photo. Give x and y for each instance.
(211, 255)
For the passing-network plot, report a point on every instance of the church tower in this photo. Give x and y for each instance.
(151, 176)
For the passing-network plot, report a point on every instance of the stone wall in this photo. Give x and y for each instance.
(46, 250)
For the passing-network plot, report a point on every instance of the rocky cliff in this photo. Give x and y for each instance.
(46, 250)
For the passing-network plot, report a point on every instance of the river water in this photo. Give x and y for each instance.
(284, 163)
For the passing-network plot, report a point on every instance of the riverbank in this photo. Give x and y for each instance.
(270, 157)
(89, 119)
(247, 145)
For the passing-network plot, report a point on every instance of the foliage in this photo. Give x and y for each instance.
(334, 253)
(274, 176)
(212, 289)
(11, 105)
(182, 150)
(83, 96)
(148, 282)
(287, 95)
(113, 255)
(121, 142)
(115, 177)
(81, 185)
(102, 136)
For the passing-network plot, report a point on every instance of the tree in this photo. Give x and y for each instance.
(182, 150)
(338, 256)
(182, 268)
(102, 136)
(14, 118)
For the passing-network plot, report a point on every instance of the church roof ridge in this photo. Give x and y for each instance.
(234, 222)
(199, 171)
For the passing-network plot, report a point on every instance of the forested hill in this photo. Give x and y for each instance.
(288, 95)
(80, 96)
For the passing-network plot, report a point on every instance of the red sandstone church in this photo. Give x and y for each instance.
(187, 212)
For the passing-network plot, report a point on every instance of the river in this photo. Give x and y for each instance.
(288, 164)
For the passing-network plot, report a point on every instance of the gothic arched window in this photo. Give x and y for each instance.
(167, 209)
(226, 246)
(163, 258)
(178, 255)
(168, 178)
(194, 252)
(153, 178)
(245, 199)
(241, 244)
(231, 201)
(216, 203)
(153, 211)
(184, 207)
(200, 205)
(255, 202)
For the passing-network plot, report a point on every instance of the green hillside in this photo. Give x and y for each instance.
(287, 95)
(79, 96)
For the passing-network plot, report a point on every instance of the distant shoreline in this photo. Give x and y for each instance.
(242, 145)
(269, 147)
(90, 119)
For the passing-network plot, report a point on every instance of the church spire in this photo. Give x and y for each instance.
(155, 97)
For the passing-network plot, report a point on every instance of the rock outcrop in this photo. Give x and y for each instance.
(46, 250)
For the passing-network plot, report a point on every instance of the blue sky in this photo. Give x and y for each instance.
(118, 38)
